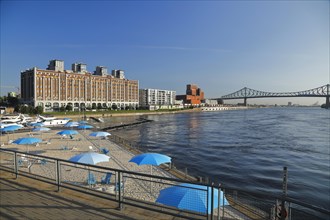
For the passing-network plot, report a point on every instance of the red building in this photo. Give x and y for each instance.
(193, 96)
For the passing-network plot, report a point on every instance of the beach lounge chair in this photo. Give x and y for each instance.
(104, 150)
(122, 185)
(64, 148)
(91, 179)
(106, 179)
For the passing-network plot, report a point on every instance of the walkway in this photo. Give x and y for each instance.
(26, 198)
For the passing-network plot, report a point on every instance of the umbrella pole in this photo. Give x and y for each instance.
(150, 179)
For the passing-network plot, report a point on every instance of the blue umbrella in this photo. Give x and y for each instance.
(27, 141)
(89, 158)
(67, 132)
(84, 126)
(99, 134)
(71, 124)
(150, 159)
(10, 128)
(41, 129)
(82, 122)
(191, 197)
(37, 124)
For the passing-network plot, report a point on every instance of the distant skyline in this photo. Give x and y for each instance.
(222, 46)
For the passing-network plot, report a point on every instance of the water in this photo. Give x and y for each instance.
(247, 149)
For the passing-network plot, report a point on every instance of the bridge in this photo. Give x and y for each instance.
(245, 93)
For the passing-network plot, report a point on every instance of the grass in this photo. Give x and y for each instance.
(110, 112)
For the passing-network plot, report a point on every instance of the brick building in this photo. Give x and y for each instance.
(55, 87)
(193, 96)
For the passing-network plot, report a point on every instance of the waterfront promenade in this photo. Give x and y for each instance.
(26, 198)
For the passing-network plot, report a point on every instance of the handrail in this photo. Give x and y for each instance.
(58, 162)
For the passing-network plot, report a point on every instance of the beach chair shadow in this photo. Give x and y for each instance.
(106, 179)
(121, 187)
(91, 179)
(104, 150)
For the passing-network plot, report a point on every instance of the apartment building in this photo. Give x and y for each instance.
(55, 87)
(154, 99)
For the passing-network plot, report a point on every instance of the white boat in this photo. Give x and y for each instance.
(12, 118)
(47, 117)
(100, 120)
(51, 120)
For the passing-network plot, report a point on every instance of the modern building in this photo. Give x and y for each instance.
(55, 87)
(193, 96)
(154, 99)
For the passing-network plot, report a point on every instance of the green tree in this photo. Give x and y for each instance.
(39, 110)
(114, 106)
(68, 108)
(62, 109)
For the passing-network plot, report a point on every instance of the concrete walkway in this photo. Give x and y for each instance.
(26, 198)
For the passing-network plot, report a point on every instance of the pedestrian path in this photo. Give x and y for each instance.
(26, 198)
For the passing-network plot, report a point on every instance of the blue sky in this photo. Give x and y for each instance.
(222, 46)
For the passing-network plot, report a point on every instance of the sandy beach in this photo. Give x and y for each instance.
(55, 146)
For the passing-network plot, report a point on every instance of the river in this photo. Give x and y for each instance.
(246, 149)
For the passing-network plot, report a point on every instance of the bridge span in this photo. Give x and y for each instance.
(245, 93)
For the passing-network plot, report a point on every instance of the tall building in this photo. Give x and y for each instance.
(55, 87)
(79, 68)
(193, 96)
(155, 98)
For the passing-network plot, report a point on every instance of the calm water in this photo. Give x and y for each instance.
(247, 148)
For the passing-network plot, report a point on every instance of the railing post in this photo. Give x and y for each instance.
(223, 202)
(219, 201)
(15, 165)
(212, 200)
(285, 190)
(118, 185)
(58, 176)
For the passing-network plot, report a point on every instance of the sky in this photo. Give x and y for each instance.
(222, 46)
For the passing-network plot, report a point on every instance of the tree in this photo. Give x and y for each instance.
(62, 109)
(39, 110)
(68, 108)
(114, 106)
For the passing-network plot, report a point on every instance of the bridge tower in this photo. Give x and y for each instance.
(245, 94)
(327, 98)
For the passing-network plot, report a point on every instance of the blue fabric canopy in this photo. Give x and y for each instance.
(90, 158)
(84, 126)
(27, 140)
(191, 197)
(68, 132)
(99, 134)
(41, 129)
(10, 128)
(150, 159)
(71, 124)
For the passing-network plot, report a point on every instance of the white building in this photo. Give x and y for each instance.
(154, 99)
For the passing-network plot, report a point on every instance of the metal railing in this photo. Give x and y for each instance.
(144, 190)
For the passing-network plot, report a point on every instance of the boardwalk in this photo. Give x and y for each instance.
(26, 198)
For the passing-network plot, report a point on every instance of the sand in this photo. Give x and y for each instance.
(133, 185)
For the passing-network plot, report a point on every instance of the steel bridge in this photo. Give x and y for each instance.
(245, 93)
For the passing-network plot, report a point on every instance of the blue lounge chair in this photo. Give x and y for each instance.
(106, 178)
(91, 179)
(104, 150)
